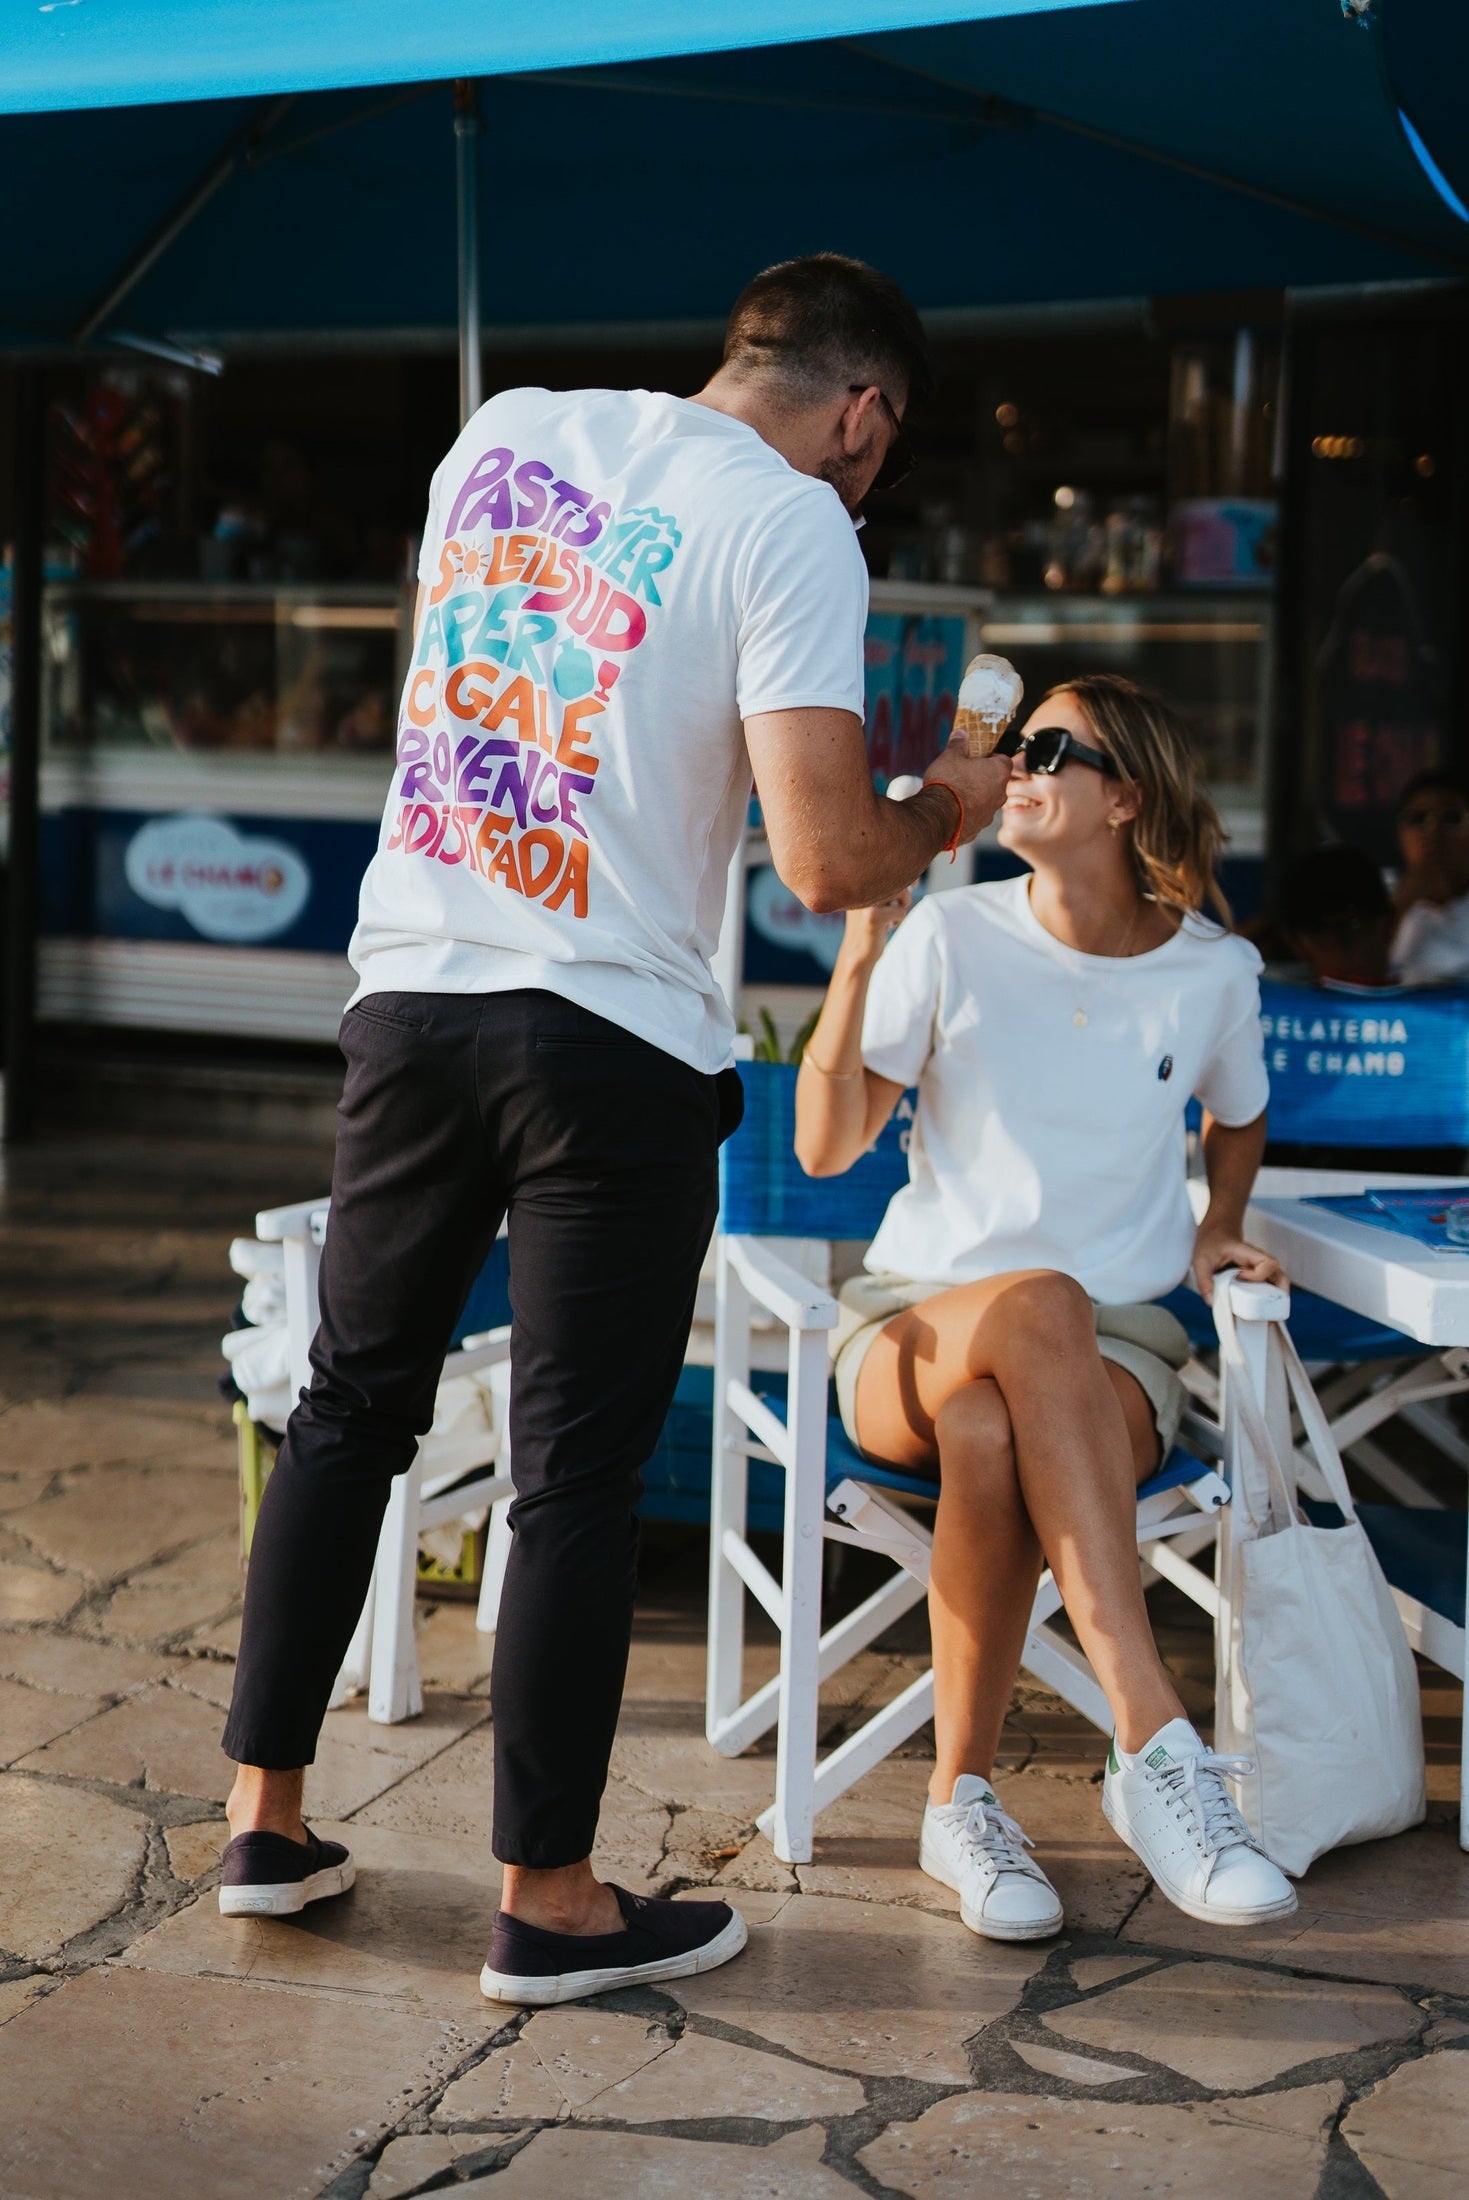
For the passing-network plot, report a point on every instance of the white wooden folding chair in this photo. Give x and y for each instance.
(832, 1494)
(450, 1476)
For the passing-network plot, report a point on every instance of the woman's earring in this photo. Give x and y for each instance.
(1114, 824)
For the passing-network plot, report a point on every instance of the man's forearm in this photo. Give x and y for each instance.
(886, 852)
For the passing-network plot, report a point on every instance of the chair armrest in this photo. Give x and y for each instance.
(273, 1224)
(781, 1289)
(487, 1348)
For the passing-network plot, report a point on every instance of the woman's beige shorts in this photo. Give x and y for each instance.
(1147, 1340)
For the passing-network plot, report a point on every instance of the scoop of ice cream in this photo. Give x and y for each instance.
(989, 696)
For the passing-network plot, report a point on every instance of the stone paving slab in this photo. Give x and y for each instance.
(196, 1848)
(412, 1933)
(701, 2077)
(862, 1988)
(108, 1521)
(626, 2166)
(1412, 2130)
(1229, 2028)
(146, 2087)
(1021, 2147)
(71, 1859)
(1395, 1911)
(46, 1436)
(1058, 2062)
(162, 1738)
(406, 2164)
(33, 1593)
(74, 1665)
(511, 2086)
(160, 1603)
(30, 1717)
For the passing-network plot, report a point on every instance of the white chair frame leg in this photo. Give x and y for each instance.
(382, 1656)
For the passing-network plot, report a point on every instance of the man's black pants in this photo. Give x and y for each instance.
(456, 1109)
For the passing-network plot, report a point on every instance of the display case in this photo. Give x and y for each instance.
(214, 765)
(1210, 655)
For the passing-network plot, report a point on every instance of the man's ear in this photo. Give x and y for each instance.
(857, 421)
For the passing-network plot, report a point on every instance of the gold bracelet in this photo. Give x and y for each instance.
(840, 1076)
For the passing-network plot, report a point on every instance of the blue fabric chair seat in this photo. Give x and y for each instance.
(1322, 1331)
(843, 1458)
(1422, 1552)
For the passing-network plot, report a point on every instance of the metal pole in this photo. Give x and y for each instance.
(466, 193)
(220, 169)
(23, 868)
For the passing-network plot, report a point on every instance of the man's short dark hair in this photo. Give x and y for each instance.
(1332, 890)
(820, 323)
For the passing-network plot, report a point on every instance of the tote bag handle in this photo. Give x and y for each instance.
(1308, 1405)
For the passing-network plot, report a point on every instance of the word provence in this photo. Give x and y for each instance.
(540, 599)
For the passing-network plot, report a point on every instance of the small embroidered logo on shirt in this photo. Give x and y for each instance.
(1165, 1069)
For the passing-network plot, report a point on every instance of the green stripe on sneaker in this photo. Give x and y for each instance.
(1112, 1764)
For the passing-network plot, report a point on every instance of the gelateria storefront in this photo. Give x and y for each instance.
(216, 758)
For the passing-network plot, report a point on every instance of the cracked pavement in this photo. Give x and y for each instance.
(864, 2042)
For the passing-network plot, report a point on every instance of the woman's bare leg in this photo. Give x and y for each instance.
(986, 1563)
(1033, 1335)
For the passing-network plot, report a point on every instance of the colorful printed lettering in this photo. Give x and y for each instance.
(542, 596)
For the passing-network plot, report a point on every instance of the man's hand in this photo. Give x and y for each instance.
(979, 782)
(1216, 1248)
(834, 840)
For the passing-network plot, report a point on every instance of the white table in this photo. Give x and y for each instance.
(1379, 1273)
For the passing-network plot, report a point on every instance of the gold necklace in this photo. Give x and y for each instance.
(1100, 980)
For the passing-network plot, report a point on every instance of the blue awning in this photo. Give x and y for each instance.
(1144, 146)
(114, 53)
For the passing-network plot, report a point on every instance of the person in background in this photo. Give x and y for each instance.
(1056, 1026)
(1337, 918)
(1431, 946)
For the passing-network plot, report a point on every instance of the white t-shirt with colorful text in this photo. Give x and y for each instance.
(614, 580)
(1051, 1091)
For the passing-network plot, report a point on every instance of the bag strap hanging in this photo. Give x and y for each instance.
(1313, 1419)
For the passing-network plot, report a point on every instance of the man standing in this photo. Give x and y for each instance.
(627, 600)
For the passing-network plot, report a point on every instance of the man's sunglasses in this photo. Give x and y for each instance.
(901, 457)
(1043, 752)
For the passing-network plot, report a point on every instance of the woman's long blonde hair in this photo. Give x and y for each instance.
(1177, 837)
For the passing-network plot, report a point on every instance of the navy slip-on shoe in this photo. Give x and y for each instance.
(266, 1875)
(662, 1940)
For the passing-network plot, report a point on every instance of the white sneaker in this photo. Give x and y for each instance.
(975, 1847)
(1169, 1804)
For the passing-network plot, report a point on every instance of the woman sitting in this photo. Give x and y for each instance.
(1055, 1026)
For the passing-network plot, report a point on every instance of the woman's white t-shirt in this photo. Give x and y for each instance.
(614, 580)
(1042, 1141)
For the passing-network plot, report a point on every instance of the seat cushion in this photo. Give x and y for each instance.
(1421, 1550)
(1321, 1329)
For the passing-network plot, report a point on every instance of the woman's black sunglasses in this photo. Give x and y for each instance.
(1043, 752)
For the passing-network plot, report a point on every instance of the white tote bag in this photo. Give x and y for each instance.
(1319, 1685)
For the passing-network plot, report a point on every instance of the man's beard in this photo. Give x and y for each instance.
(850, 477)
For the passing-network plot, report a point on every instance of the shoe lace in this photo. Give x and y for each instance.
(986, 1826)
(1196, 1785)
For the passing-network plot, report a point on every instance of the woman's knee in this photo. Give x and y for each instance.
(1046, 1309)
(973, 1432)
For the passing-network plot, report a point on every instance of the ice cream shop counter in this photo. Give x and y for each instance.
(214, 766)
(216, 758)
